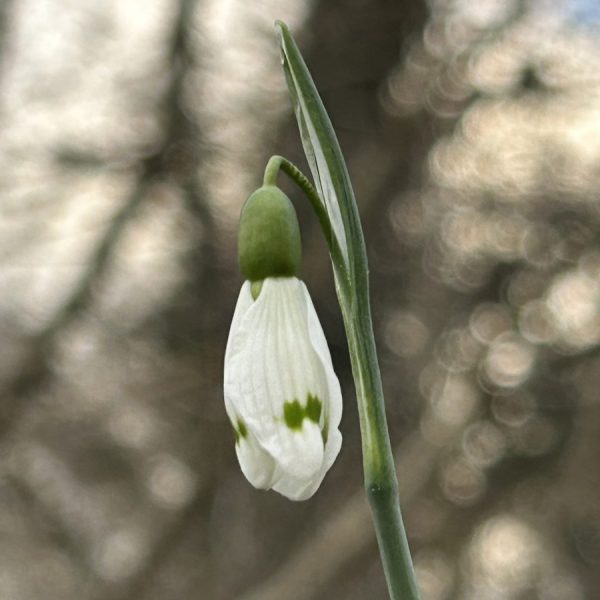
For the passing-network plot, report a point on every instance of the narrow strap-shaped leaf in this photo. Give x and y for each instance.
(333, 185)
(324, 158)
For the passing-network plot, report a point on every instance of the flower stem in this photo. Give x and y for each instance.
(381, 483)
(277, 163)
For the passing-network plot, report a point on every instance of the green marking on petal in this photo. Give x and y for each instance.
(293, 414)
(313, 408)
(255, 288)
(325, 431)
(241, 431)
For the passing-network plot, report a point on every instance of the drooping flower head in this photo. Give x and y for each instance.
(281, 393)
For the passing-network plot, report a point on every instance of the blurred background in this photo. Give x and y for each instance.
(130, 135)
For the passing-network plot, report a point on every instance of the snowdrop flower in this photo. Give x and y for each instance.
(281, 393)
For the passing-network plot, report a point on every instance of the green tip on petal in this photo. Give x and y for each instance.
(269, 237)
(255, 289)
(313, 408)
(294, 413)
(241, 431)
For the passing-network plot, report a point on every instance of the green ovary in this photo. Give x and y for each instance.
(269, 236)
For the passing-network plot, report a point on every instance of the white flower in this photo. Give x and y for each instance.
(281, 393)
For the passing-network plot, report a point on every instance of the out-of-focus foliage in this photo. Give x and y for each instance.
(131, 132)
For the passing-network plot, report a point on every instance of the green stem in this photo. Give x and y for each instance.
(381, 483)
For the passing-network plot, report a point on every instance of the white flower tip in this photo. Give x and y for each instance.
(257, 465)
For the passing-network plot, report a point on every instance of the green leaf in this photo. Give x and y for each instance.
(338, 214)
(325, 159)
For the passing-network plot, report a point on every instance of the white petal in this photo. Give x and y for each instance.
(257, 465)
(244, 302)
(277, 356)
(301, 489)
(298, 453)
(334, 393)
(296, 489)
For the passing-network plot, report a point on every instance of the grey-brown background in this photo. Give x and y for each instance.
(130, 134)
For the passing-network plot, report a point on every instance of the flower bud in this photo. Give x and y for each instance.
(269, 237)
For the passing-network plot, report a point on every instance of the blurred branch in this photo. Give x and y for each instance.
(170, 540)
(35, 368)
(44, 520)
(178, 132)
(6, 7)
